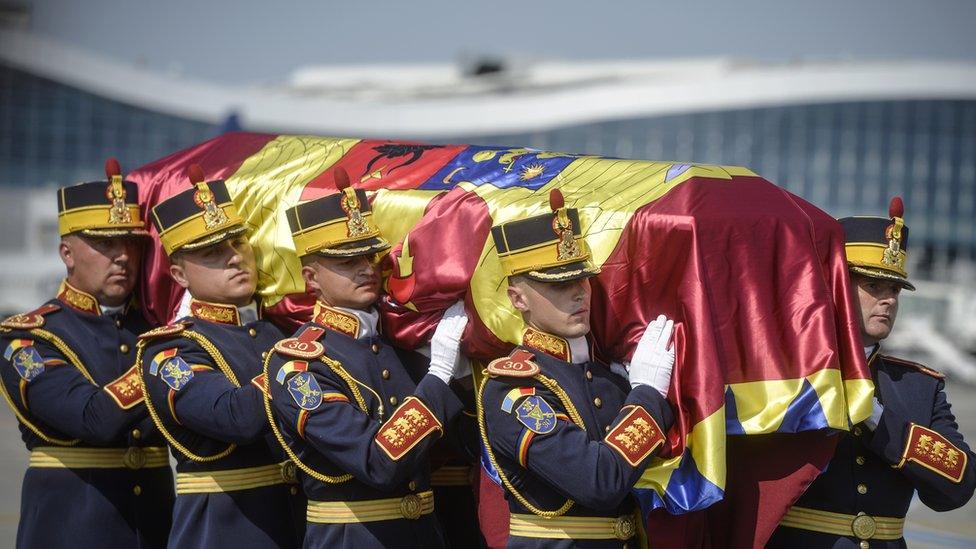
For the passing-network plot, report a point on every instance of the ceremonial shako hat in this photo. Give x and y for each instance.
(337, 225)
(548, 247)
(878, 246)
(101, 208)
(197, 217)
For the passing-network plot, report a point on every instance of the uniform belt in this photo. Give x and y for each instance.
(532, 526)
(451, 475)
(230, 480)
(410, 506)
(861, 525)
(134, 457)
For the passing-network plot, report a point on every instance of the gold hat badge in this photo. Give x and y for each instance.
(562, 225)
(115, 192)
(356, 224)
(894, 255)
(213, 215)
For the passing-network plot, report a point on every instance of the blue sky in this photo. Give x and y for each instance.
(246, 41)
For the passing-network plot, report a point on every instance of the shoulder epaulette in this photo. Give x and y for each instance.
(518, 364)
(31, 320)
(165, 331)
(305, 346)
(915, 366)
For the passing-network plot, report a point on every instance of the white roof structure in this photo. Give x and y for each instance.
(439, 99)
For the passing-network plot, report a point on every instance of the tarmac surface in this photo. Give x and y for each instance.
(925, 528)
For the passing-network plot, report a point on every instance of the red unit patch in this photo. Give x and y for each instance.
(635, 436)
(934, 452)
(126, 391)
(406, 428)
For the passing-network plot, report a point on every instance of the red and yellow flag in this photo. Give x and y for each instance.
(755, 277)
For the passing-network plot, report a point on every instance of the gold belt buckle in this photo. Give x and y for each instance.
(624, 527)
(134, 458)
(411, 506)
(864, 526)
(289, 472)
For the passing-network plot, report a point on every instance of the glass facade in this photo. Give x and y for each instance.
(847, 158)
(54, 134)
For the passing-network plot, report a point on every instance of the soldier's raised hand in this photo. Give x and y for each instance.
(653, 358)
(445, 346)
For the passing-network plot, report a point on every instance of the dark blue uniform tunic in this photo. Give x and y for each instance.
(334, 435)
(99, 505)
(251, 504)
(567, 462)
(862, 478)
(453, 463)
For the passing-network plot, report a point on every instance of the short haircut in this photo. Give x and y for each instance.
(307, 260)
(177, 258)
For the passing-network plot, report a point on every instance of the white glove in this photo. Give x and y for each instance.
(445, 345)
(653, 359)
(876, 410)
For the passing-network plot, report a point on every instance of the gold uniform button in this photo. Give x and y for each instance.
(862, 489)
(137, 489)
(857, 431)
(136, 433)
(124, 348)
(386, 374)
(118, 323)
(252, 332)
(606, 429)
(264, 355)
(598, 402)
(589, 375)
(375, 348)
(859, 460)
(864, 545)
(393, 400)
(412, 485)
(293, 490)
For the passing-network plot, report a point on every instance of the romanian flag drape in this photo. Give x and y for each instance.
(755, 278)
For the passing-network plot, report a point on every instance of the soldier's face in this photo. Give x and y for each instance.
(351, 282)
(106, 268)
(878, 299)
(222, 273)
(559, 308)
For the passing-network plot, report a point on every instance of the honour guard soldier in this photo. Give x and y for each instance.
(453, 459)
(231, 481)
(344, 407)
(98, 474)
(567, 437)
(454, 466)
(911, 441)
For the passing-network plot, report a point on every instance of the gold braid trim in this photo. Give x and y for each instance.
(34, 428)
(218, 358)
(336, 367)
(351, 382)
(65, 350)
(214, 354)
(574, 415)
(72, 357)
